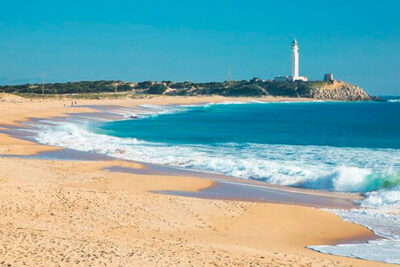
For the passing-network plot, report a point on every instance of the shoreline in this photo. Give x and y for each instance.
(247, 211)
(108, 112)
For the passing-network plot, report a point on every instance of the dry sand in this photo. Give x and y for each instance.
(75, 212)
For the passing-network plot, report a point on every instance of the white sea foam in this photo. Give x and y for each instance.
(330, 168)
(389, 198)
(154, 110)
(148, 110)
(385, 222)
(374, 172)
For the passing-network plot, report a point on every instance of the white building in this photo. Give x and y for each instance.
(294, 58)
(295, 63)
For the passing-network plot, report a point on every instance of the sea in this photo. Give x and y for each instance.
(337, 146)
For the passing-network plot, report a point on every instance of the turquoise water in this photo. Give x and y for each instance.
(345, 147)
(364, 124)
(338, 146)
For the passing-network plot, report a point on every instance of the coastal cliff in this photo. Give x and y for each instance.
(335, 90)
(338, 91)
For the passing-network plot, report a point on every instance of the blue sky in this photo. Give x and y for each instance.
(358, 41)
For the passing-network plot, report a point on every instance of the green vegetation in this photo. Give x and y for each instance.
(81, 95)
(156, 89)
(68, 87)
(106, 89)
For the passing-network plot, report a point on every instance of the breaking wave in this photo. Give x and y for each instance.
(328, 168)
(373, 172)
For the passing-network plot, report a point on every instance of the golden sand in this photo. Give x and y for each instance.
(75, 212)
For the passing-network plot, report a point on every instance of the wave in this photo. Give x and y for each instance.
(373, 172)
(389, 197)
(149, 110)
(384, 222)
(316, 167)
(393, 100)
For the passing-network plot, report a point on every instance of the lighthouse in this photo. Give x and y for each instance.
(295, 60)
(294, 66)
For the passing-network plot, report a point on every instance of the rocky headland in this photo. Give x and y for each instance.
(324, 90)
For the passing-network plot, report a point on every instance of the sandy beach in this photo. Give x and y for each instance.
(56, 212)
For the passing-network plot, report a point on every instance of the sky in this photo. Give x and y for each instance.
(357, 41)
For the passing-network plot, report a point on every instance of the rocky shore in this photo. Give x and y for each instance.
(340, 91)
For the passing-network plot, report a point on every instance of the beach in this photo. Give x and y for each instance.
(62, 212)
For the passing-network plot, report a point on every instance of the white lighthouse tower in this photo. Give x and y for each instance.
(294, 56)
(295, 60)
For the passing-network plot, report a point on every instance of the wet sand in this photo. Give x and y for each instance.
(63, 212)
(230, 188)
